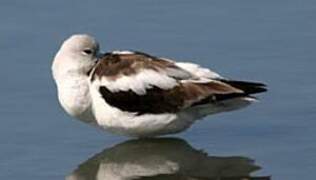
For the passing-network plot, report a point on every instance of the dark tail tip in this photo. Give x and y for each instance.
(247, 87)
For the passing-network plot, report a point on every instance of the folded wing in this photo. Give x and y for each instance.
(144, 84)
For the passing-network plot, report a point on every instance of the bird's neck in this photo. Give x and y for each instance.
(73, 91)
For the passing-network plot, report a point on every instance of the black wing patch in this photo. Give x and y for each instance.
(155, 101)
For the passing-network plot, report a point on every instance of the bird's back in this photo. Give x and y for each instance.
(146, 95)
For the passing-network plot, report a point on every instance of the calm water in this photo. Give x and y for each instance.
(269, 41)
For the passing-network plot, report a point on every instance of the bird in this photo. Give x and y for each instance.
(136, 94)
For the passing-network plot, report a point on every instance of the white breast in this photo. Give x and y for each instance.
(74, 96)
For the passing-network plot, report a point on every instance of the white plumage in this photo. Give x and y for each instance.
(136, 94)
(139, 82)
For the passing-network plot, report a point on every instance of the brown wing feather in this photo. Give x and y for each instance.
(157, 100)
(247, 87)
(114, 66)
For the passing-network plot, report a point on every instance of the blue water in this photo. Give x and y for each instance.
(269, 41)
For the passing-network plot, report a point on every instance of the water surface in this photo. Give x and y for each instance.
(269, 41)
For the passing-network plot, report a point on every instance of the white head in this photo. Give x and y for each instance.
(77, 54)
(72, 63)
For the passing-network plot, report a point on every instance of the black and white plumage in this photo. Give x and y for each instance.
(136, 94)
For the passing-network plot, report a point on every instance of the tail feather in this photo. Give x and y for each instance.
(247, 87)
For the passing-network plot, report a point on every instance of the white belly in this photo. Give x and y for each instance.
(131, 124)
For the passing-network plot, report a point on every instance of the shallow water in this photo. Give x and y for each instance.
(269, 41)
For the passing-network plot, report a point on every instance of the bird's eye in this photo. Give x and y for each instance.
(87, 51)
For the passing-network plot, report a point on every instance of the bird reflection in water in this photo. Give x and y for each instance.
(162, 159)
